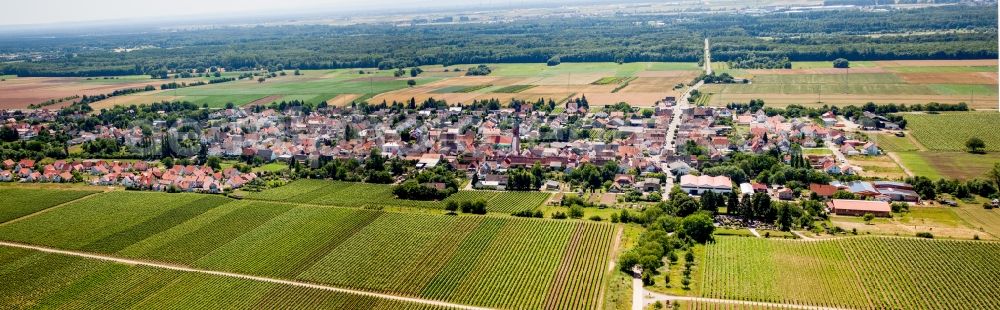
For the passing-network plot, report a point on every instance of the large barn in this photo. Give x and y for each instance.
(859, 207)
(697, 185)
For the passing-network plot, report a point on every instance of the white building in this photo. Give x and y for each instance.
(697, 185)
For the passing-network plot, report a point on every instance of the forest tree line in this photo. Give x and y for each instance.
(952, 32)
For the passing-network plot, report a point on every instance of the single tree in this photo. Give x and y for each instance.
(698, 227)
(553, 61)
(995, 174)
(841, 63)
(411, 83)
(975, 145)
(868, 217)
(8, 134)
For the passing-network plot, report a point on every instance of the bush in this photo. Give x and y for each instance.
(451, 206)
(559, 215)
(576, 212)
(596, 218)
(474, 207)
(925, 234)
(898, 207)
(416, 191)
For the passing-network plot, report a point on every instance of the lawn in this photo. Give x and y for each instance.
(859, 273)
(817, 151)
(950, 131)
(489, 261)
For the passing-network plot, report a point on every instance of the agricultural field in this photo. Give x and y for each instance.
(19, 202)
(30, 279)
(20, 92)
(934, 145)
(348, 194)
(881, 166)
(892, 143)
(858, 272)
(639, 84)
(949, 131)
(909, 82)
(979, 218)
(958, 165)
(489, 261)
(704, 305)
(943, 221)
(337, 87)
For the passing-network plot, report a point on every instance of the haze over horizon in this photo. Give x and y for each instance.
(47, 12)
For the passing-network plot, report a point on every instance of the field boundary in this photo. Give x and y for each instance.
(133, 262)
(652, 297)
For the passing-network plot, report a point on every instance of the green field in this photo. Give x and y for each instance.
(964, 90)
(487, 261)
(960, 165)
(949, 131)
(892, 143)
(313, 86)
(348, 194)
(19, 202)
(513, 89)
(460, 89)
(860, 83)
(978, 217)
(859, 273)
(30, 279)
(608, 68)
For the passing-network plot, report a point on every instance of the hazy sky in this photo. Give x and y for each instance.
(59, 11)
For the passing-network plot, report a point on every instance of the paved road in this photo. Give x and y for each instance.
(237, 275)
(637, 292)
(836, 151)
(672, 128)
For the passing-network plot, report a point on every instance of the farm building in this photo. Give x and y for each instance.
(697, 185)
(823, 190)
(859, 207)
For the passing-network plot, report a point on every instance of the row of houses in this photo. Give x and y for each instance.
(135, 175)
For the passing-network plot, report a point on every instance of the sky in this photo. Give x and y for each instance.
(25, 12)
